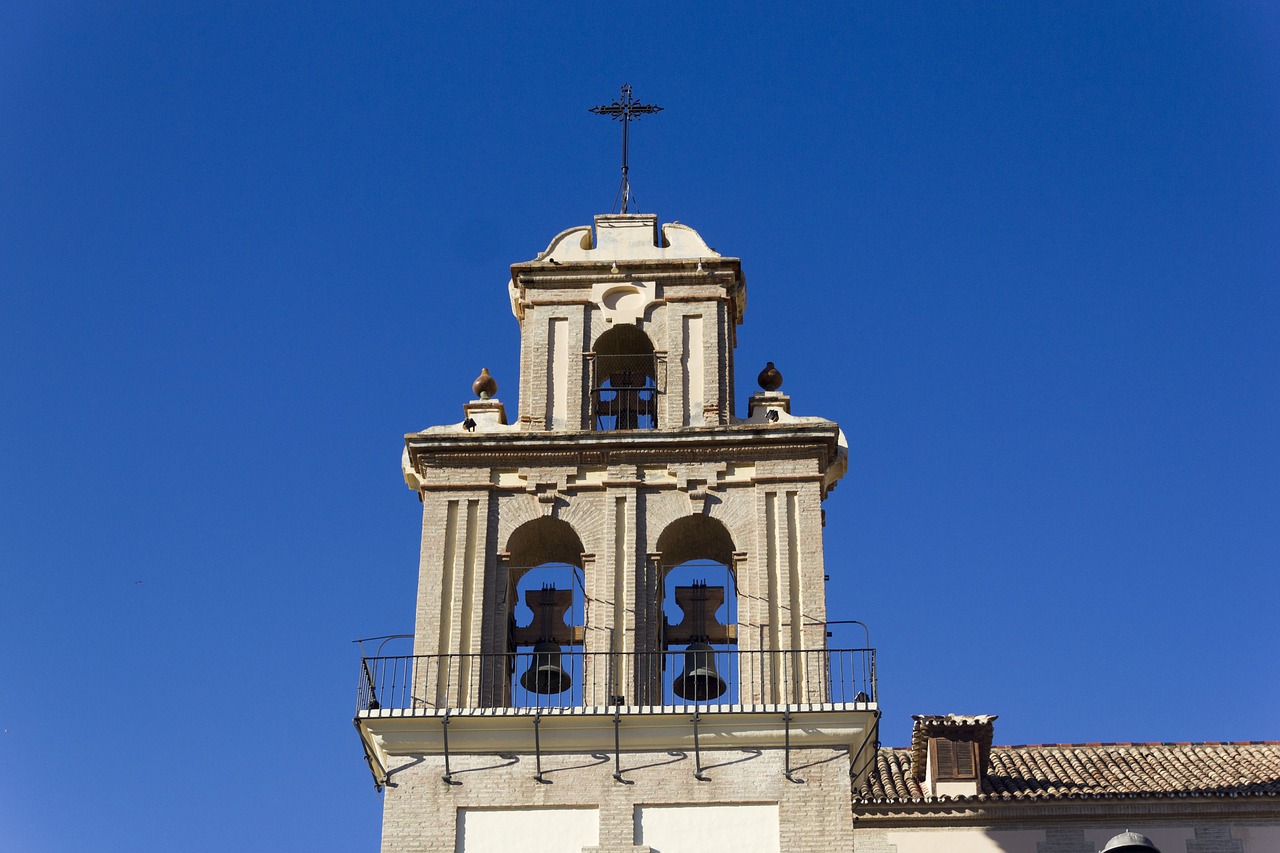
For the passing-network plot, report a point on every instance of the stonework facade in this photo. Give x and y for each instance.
(705, 716)
(420, 813)
(633, 712)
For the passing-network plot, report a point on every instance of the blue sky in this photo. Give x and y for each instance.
(1026, 257)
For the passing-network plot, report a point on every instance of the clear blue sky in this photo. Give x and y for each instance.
(1026, 256)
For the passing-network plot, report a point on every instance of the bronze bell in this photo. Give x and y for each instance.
(700, 680)
(545, 675)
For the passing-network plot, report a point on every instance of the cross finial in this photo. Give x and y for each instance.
(626, 111)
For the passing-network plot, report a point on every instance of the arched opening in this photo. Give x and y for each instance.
(624, 380)
(544, 540)
(696, 537)
(700, 612)
(545, 615)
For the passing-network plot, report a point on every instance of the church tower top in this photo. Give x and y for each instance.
(627, 326)
(627, 236)
(624, 238)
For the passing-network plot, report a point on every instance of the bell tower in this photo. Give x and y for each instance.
(622, 640)
(627, 327)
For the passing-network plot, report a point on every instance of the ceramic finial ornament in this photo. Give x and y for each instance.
(770, 378)
(485, 385)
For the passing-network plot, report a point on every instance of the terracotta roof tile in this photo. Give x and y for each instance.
(1050, 772)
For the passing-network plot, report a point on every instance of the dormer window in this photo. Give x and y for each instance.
(949, 754)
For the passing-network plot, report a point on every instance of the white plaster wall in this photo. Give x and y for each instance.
(1259, 837)
(965, 841)
(745, 828)
(527, 830)
(1196, 837)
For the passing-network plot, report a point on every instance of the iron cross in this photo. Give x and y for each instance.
(626, 111)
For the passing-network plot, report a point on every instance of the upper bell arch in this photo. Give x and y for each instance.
(624, 380)
(544, 540)
(696, 537)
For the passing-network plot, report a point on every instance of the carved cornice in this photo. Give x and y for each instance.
(477, 486)
(543, 274)
(768, 479)
(611, 485)
(699, 297)
(718, 438)
(569, 300)
(425, 461)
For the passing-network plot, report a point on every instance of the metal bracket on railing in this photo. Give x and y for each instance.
(786, 748)
(697, 753)
(447, 778)
(872, 737)
(379, 772)
(617, 752)
(537, 751)
(373, 704)
(386, 638)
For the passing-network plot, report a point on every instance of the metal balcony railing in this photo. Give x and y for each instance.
(624, 391)
(658, 682)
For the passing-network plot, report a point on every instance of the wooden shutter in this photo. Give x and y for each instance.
(954, 760)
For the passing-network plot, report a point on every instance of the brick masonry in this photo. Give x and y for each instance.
(1065, 841)
(772, 516)
(1214, 839)
(609, 518)
(420, 810)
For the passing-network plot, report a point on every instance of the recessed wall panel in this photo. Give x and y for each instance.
(527, 830)
(735, 828)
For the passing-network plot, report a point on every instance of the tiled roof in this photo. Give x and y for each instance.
(1071, 771)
